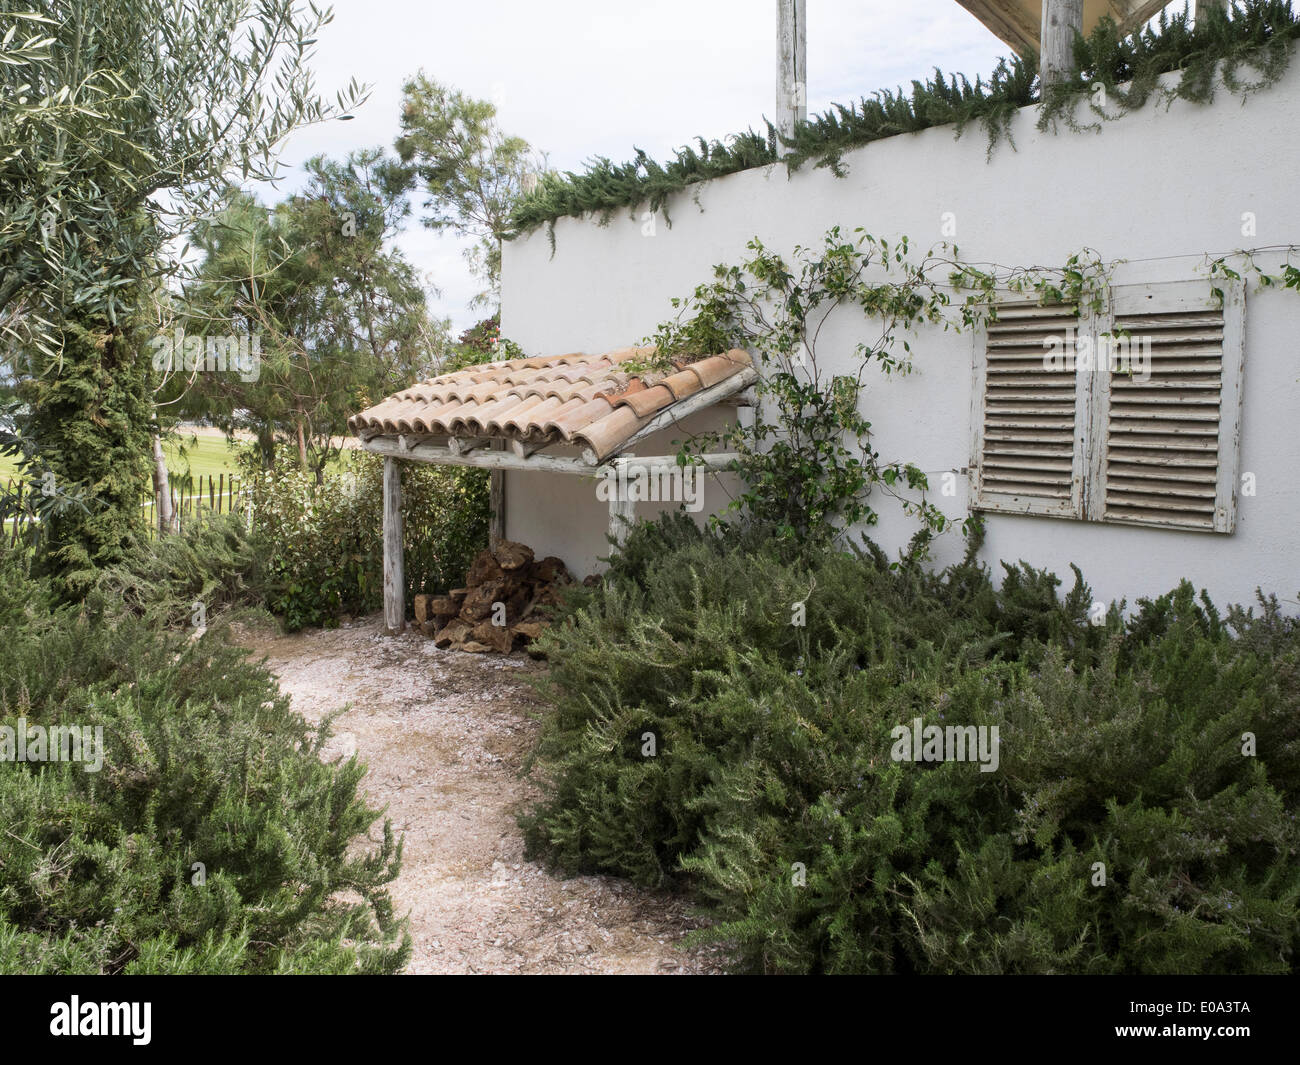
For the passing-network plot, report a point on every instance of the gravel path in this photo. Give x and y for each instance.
(444, 734)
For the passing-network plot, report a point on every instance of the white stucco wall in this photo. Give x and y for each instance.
(1159, 187)
(560, 514)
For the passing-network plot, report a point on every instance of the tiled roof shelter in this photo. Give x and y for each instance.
(590, 401)
(533, 414)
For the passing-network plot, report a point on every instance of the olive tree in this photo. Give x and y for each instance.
(121, 124)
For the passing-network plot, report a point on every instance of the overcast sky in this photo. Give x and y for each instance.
(580, 78)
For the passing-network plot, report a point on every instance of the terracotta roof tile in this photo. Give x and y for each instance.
(683, 383)
(567, 424)
(717, 368)
(648, 401)
(427, 422)
(588, 400)
(517, 419)
(605, 434)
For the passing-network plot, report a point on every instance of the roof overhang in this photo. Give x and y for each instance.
(533, 414)
(1019, 23)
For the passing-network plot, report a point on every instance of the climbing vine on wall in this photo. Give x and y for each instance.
(807, 460)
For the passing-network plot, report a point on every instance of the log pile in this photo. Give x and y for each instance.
(507, 602)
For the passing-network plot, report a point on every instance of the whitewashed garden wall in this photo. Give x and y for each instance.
(1160, 187)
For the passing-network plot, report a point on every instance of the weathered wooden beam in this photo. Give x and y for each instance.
(394, 563)
(1062, 19)
(747, 398)
(715, 463)
(487, 460)
(791, 64)
(1020, 22)
(731, 386)
(1010, 23)
(506, 460)
(524, 450)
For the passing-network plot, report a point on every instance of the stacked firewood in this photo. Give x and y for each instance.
(507, 602)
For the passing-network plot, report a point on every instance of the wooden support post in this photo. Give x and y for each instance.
(622, 513)
(1062, 19)
(791, 64)
(394, 567)
(497, 505)
(1202, 8)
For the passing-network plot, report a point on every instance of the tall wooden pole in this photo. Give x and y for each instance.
(1201, 8)
(1062, 19)
(394, 564)
(791, 64)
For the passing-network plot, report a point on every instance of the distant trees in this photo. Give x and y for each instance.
(471, 172)
(337, 313)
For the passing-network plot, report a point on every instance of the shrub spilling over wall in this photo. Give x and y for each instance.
(1252, 49)
(728, 719)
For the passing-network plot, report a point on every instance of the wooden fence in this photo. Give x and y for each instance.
(192, 499)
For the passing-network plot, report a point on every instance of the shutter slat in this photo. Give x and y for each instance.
(1150, 322)
(1169, 411)
(1123, 460)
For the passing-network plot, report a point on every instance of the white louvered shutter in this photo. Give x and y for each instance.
(1170, 448)
(1027, 415)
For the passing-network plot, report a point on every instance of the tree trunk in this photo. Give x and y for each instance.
(266, 445)
(162, 491)
(302, 446)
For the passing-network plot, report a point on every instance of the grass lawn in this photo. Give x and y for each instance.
(200, 455)
(203, 456)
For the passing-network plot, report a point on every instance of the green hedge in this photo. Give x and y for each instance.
(204, 762)
(1121, 743)
(322, 545)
